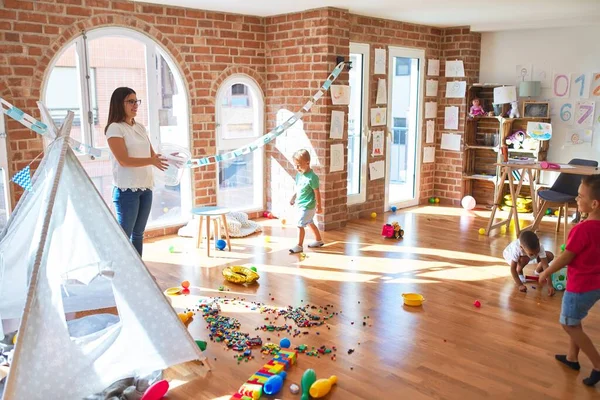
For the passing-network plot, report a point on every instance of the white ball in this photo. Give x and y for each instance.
(468, 202)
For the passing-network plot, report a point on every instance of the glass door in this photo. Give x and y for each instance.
(404, 122)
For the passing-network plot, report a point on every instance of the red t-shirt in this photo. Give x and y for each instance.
(583, 273)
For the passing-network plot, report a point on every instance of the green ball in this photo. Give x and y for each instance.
(562, 247)
(171, 249)
(432, 200)
(548, 211)
(253, 269)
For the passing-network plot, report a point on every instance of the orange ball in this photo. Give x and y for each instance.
(185, 284)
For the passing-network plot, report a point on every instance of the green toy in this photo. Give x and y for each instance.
(562, 247)
(559, 279)
(308, 378)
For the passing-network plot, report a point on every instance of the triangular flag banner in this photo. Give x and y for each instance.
(23, 178)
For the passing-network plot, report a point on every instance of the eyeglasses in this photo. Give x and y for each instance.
(133, 102)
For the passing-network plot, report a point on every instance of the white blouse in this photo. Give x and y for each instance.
(138, 146)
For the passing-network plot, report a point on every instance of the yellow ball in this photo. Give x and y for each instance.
(373, 215)
(437, 199)
(267, 239)
(482, 231)
(557, 213)
(283, 221)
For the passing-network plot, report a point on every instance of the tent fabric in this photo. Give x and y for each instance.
(63, 251)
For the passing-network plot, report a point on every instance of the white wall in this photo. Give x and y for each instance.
(566, 50)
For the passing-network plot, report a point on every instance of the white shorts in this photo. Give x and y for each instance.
(305, 217)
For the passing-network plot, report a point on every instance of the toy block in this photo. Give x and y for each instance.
(252, 391)
(239, 396)
(291, 355)
(276, 369)
(283, 362)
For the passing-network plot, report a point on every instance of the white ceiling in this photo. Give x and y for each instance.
(481, 15)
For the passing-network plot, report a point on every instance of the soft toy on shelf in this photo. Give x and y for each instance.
(516, 139)
(514, 110)
(476, 108)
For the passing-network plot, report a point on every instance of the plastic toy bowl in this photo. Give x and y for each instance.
(173, 291)
(413, 299)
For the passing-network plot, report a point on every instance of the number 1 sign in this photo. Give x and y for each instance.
(584, 113)
(580, 85)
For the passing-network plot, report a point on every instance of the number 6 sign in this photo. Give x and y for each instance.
(584, 113)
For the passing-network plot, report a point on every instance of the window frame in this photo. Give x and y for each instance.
(4, 166)
(364, 50)
(231, 144)
(153, 49)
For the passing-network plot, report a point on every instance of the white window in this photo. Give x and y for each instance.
(4, 178)
(82, 78)
(240, 121)
(357, 121)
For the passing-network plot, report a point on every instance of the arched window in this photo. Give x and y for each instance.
(240, 121)
(82, 78)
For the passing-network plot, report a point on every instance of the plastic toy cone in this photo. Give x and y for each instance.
(308, 378)
(321, 387)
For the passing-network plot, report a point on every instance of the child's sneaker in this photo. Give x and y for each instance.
(296, 249)
(316, 243)
(522, 278)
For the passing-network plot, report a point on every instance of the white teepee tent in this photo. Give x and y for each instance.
(63, 251)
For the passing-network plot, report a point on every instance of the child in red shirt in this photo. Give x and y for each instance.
(582, 255)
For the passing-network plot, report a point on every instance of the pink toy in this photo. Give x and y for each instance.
(387, 231)
(476, 108)
(549, 165)
(157, 391)
(477, 304)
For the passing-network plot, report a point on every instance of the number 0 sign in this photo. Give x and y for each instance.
(561, 84)
(584, 113)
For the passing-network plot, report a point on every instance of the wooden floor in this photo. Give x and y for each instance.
(447, 349)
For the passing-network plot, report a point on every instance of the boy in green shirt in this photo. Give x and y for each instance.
(307, 199)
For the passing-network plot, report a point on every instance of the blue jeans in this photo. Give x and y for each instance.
(575, 306)
(133, 210)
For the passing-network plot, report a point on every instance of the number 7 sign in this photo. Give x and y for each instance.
(584, 113)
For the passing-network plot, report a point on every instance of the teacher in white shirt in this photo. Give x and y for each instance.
(132, 159)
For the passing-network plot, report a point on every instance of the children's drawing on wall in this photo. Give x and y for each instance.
(451, 118)
(430, 129)
(524, 72)
(336, 130)
(429, 154)
(380, 56)
(377, 170)
(561, 83)
(455, 69)
(378, 138)
(456, 89)
(340, 95)
(579, 137)
(433, 67)
(431, 87)
(337, 157)
(539, 130)
(378, 116)
(584, 114)
(431, 109)
(381, 91)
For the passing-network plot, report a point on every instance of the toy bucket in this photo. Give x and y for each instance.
(413, 299)
(177, 157)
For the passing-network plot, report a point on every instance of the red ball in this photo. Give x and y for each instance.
(185, 284)
(477, 304)
(266, 214)
(270, 215)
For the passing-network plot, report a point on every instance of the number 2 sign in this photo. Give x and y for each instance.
(584, 113)
(561, 83)
(596, 84)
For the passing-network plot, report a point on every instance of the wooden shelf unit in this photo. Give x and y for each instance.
(479, 169)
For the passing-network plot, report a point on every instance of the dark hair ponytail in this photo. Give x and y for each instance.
(116, 111)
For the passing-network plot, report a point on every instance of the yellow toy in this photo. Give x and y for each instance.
(322, 386)
(239, 274)
(373, 215)
(186, 317)
(482, 231)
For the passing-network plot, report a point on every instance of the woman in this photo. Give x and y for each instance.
(132, 161)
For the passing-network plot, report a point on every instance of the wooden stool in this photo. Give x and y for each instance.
(207, 212)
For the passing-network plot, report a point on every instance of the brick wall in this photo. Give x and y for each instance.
(289, 56)
(206, 46)
(457, 44)
(301, 52)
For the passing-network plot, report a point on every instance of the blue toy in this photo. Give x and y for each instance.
(273, 384)
(285, 343)
(559, 279)
(393, 208)
(221, 244)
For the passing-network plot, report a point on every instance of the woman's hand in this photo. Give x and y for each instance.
(160, 162)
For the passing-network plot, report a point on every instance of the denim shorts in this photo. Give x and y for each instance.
(575, 306)
(305, 217)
